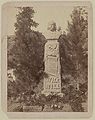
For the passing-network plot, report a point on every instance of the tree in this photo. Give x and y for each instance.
(75, 43)
(78, 36)
(28, 50)
(24, 21)
(74, 57)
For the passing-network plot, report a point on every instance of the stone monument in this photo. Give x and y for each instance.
(52, 84)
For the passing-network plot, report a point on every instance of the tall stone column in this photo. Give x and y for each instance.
(52, 83)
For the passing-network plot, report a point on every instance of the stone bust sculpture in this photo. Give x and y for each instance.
(52, 32)
(52, 26)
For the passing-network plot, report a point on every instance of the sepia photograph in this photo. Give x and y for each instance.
(47, 56)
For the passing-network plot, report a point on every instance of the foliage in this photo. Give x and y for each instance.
(11, 89)
(74, 48)
(24, 21)
(74, 59)
(27, 60)
(28, 51)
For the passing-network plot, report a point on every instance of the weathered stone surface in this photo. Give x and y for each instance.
(52, 35)
(52, 49)
(52, 64)
(52, 84)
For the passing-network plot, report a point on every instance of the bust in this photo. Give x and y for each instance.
(52, 32)
(52, 26)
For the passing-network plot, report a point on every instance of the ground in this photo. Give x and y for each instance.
(13, 106)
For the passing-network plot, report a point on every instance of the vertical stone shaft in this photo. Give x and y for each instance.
(52, 67)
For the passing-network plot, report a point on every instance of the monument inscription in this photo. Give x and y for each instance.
(52, 84)
(51, 66)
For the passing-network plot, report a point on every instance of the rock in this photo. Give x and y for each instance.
(67, 108)
(61, 94)
(47, 109)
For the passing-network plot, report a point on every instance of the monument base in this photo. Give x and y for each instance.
(52, 93)
(52, 84)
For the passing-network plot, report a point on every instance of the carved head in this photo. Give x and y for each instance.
(52, 26)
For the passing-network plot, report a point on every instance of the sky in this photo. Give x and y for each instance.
(43, 15)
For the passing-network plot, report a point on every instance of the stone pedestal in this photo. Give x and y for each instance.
(52, 84)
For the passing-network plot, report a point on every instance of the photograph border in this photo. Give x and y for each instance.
(90, 69)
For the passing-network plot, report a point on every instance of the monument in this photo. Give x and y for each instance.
(52, 84)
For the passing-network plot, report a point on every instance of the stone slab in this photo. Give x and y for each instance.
(32, 108)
